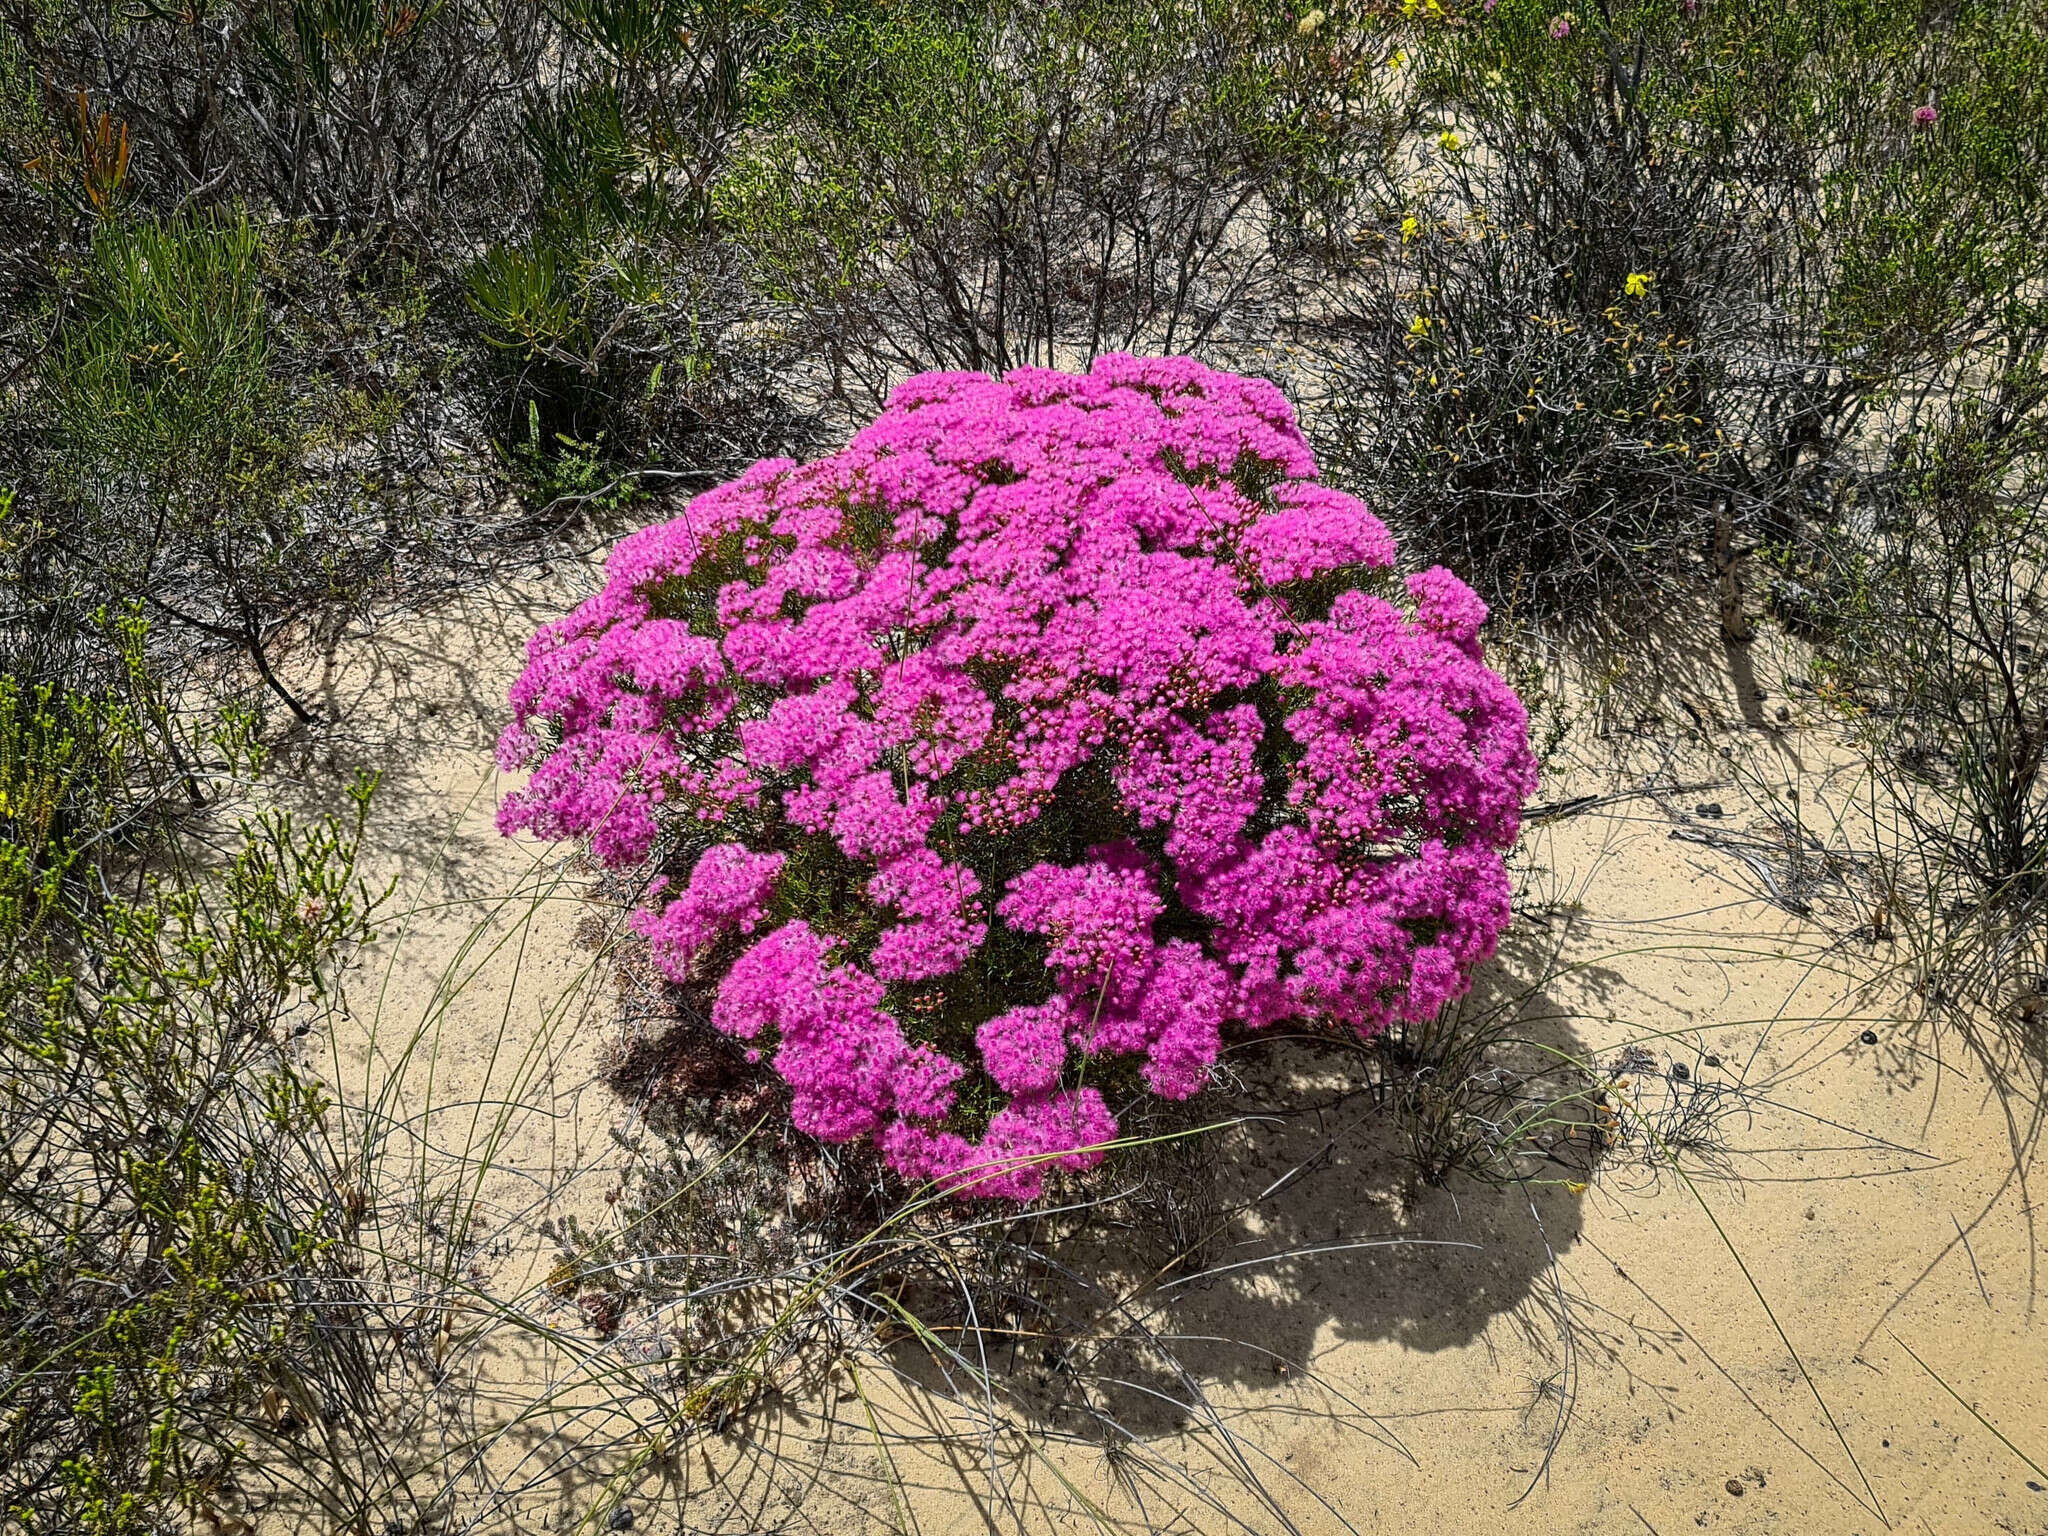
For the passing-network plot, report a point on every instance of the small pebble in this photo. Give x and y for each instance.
(1809, 1213)
(2036, 1486)
(1680, 1072)
(1869, 1037)
(1711, 808)
(1784, 714)
(622, 1518)
(1735, 1487)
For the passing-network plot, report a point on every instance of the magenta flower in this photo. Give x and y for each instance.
(1024, 1049)
(1560, 27)
(1923, 117)
(1056, 722)
(728, 890)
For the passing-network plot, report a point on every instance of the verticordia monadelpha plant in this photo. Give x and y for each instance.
(998, 765)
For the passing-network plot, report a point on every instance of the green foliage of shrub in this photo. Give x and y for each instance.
(406, 140)
(610, 318)
(171, 1228)
(160, 388)
(520, 295)
(175, 475)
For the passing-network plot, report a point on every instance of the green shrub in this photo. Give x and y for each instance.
(401, 141)
(172, 1231)
(1042, 181)
(174, 452)
(1658, 277)
(612, 323)
(1930, 606)
(235, 429)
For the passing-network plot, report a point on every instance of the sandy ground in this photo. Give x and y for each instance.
(1723, 1333)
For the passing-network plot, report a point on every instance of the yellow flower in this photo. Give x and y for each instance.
(1309, 23)
(1410, 228)
(1447, 140)
(1638, 284)
(1419, 326)
(1399, 59)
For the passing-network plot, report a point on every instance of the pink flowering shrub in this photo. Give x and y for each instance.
(1000, 765)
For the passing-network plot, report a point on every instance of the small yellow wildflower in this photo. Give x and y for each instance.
(1419, 326)
(1638, 284)
(1447, 140)
(1307, 25)
(1410, 228)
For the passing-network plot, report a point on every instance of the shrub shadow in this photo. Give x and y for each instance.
(1280, 1211)
(1305, 1221)
(420, 700)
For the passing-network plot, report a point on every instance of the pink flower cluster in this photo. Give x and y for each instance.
(1092, 658)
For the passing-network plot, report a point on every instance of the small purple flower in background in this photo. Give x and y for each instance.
(1560, 27)
(1923, 117)
(1489, 5)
